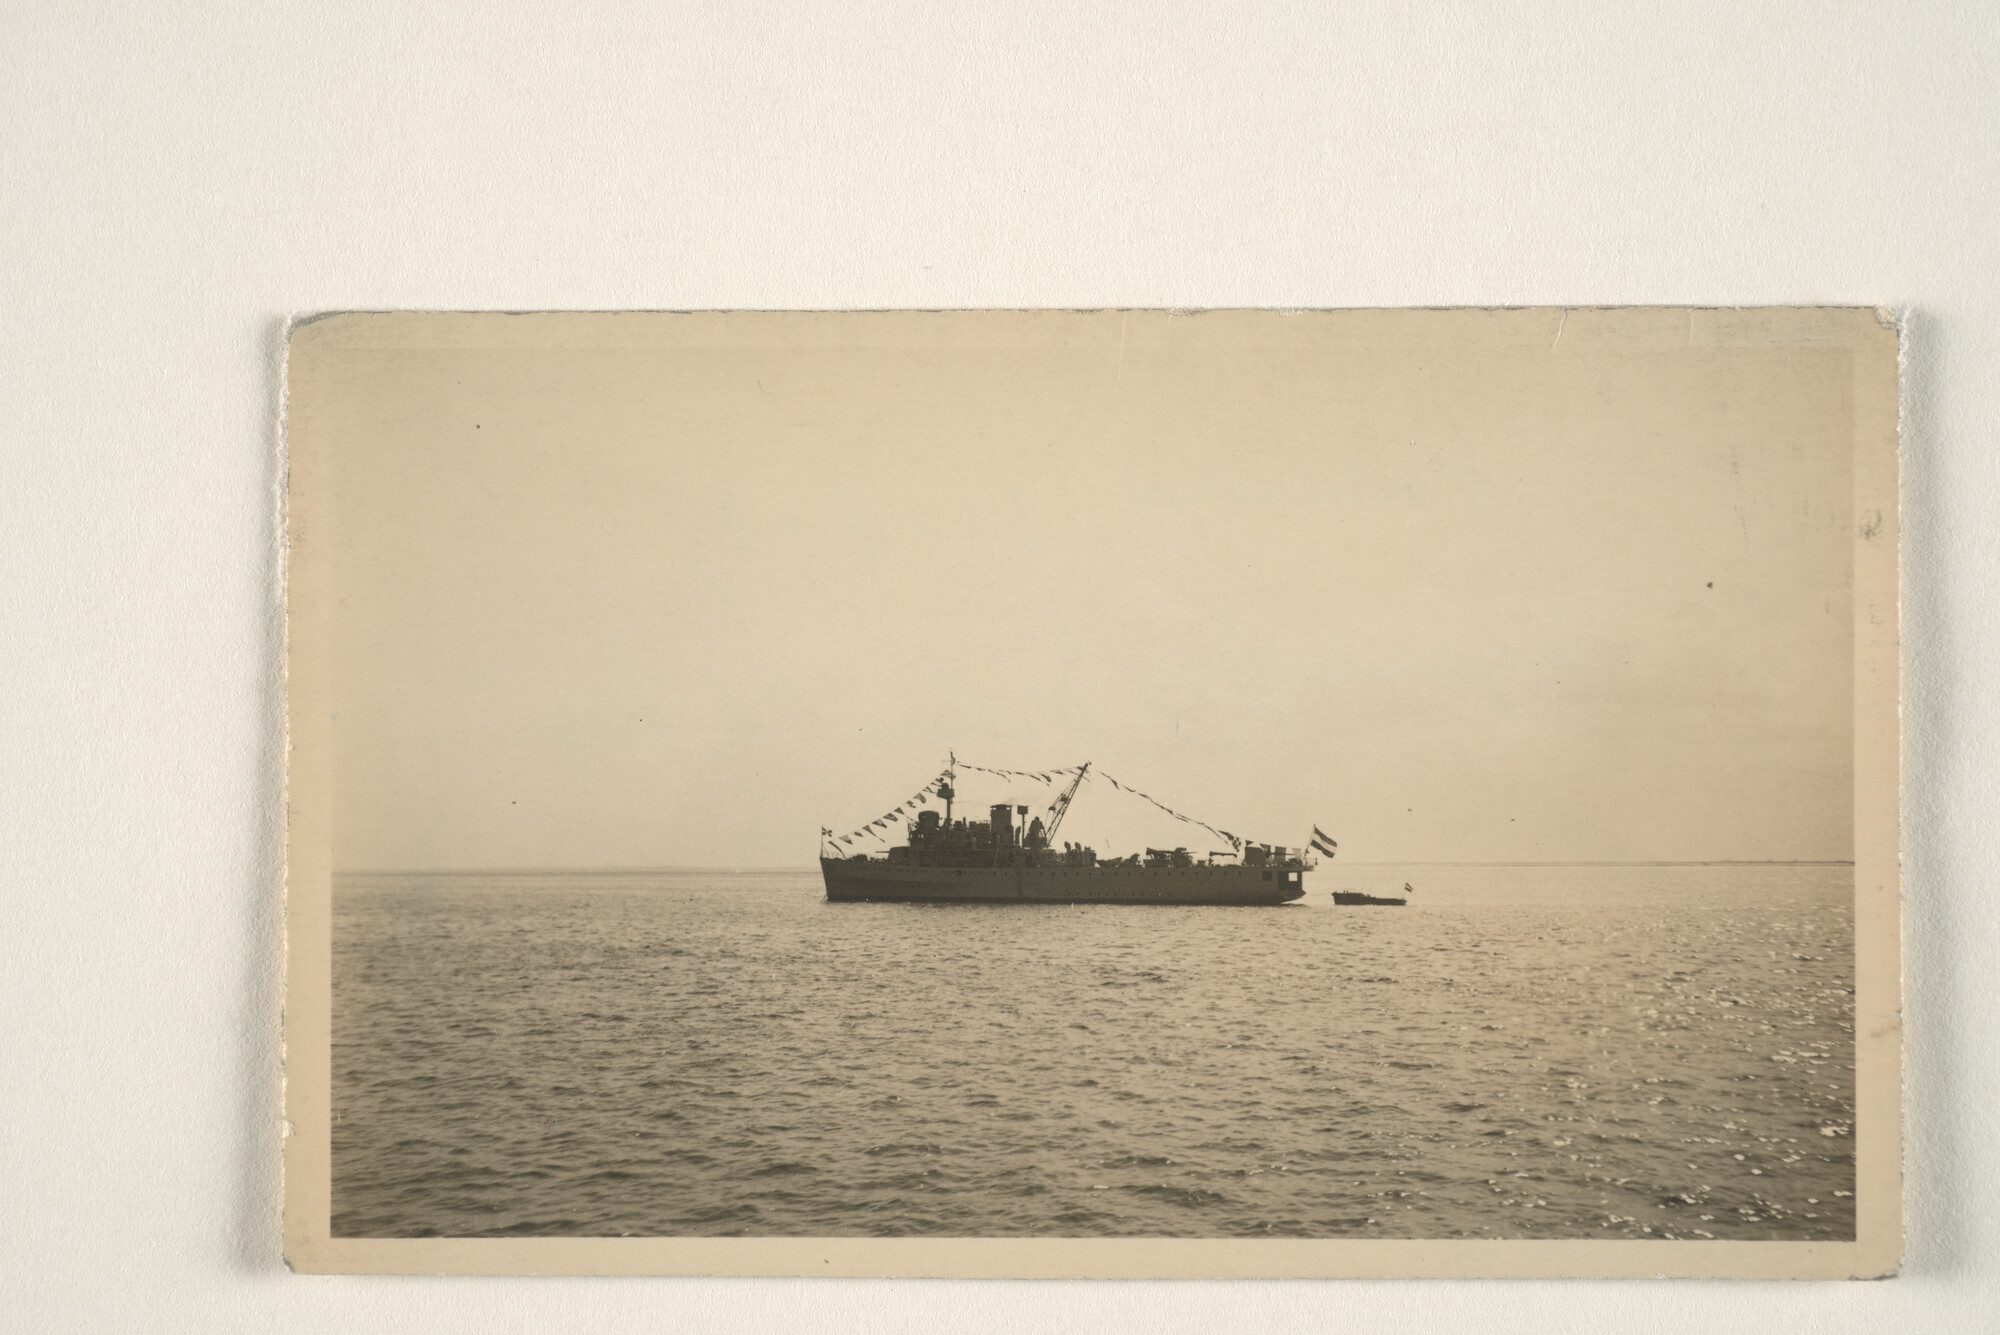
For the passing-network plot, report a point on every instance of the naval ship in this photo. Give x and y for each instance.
(1001, 860)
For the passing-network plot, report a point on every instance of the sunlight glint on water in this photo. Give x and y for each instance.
(1522, 1052)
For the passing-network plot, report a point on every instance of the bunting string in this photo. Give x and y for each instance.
(1234, 842)
(876, 827)
(1039, 776)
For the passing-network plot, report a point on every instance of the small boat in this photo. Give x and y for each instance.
(1356, 897)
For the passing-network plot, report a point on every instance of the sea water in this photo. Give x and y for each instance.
(1554, 1052)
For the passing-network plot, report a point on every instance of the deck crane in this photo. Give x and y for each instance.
(1060, 807)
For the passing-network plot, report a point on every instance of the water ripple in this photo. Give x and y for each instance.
(1560, 1053)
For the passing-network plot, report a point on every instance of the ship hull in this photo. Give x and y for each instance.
(1352, 897)
(851, 881)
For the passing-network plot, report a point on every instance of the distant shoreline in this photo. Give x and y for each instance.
(1712, 862)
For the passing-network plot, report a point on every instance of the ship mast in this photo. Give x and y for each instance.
(1060, 807)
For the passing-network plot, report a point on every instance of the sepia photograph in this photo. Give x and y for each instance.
(1094, 793)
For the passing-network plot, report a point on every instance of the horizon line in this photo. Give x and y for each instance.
(1631, 862)
(642, 869)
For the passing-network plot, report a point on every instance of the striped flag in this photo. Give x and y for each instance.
(1324, 842)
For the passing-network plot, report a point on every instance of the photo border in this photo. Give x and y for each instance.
(1873, 338)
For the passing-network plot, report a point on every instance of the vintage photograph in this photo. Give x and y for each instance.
(1158, 792)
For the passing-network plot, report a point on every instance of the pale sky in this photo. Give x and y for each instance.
(678, 590)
